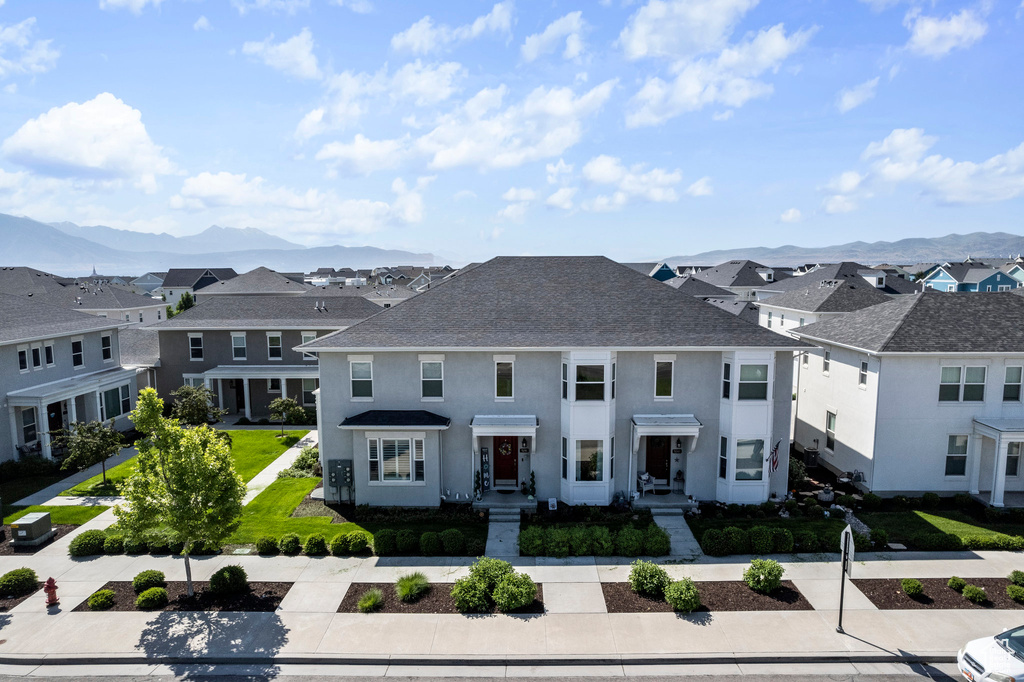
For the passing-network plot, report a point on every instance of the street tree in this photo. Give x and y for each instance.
(88, 443)
(193, 405)
(184, 481)
(284, 410)
(184, 303)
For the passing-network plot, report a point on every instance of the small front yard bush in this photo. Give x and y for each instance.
(556, 542)
(975, 594)
(648, 578)
(101, 600)
(846, 501)
(475, 547)
(861, 542)
(453, 541)
(156, 543)
(490, 571)
(912, 587)
(956, 584)
(147, 579)
(18, 582)
(430, 544)
(136, 546)
(763, 575)
(114, 544)
(470, 595)
(88, 543)
(316, 545)
(358, 541)
(1016, 593)
(267, 544)
(879, 538)
(930, 501)
(1016, 577)
(412, 586)
(290, 544)
(371, 600)
(385, 542)
(407, 542)
(761, 540)
(714, 542)
(629, 542)
(579, 541)
(531, 541)
(815, 512)
(229, 580)
(682, 595)
(737, 540)
(339, 544)
(514, 591)
(782, 540)
(601, 541)
(806, 541)
(152, 599)
(657, 541)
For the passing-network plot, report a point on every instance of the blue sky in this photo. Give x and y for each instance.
(631, 129)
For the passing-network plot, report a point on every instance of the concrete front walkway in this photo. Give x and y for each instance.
(46, 495)
(263, 479)
(684, 546)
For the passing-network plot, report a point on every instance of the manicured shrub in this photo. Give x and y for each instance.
(682, 595)
(556, 542)
(871, 502)
(846, 501)
(88, 543)
(471, 595)
(490, 571)
(879, 538)
(815, 512)
(290, 544)
(782, 540)
(267, 544)
(656, 541)
(647, 577)
(156, 543)
(1010, 543)
(912, 587)
(761, 540)
(136, 546)
(453, 541)
(430, 544)
(861, 542)
(806, 541)
(531, 541)
(101, 600)
(737, 540)
(579, 541)
(316, 545)
(715, 543)
(629, 542)
(601, 541)
(514, 591)
(791, 505)
(975, 594)
(763, 575)
(956, 584)
(412, 586)
(18, 582)
(1016, 593)
(385, 542)
(339, 544)
(407, 541)
(148, 579)
(229, 581)
(371, 600)
(114, 544)
(1017, 578)
(899, 503)
(930, 500)
(938, 542)
(962, 500)
(152, 599)
(175, 547)
(358, 541)
(475, 547)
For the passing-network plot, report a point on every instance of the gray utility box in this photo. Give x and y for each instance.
(32, 529)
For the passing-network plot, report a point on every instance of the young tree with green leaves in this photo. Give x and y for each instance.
(88, 443)
(283, 410)
(184, 481)
(193, 405)
(184, 303)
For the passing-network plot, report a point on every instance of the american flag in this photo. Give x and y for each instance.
(773, 458)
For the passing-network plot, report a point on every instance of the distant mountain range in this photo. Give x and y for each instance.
(952, 247)
(69, 249)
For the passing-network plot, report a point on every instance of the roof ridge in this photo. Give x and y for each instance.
(915, 300)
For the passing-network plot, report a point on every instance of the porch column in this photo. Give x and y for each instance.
(14, 430)
(220, 393)
(73, 409)
(248, 401)
(99, 405)
(44, 430)
(208, 383)
(999, 474)
(284, 388)
(975, 464)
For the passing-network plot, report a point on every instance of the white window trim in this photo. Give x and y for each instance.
(1020, 384)
(1020, 461)
(574, 460)
(412, 438)
(302, 391)
(28, 359)
(835, 413)
(53, 353)
(202, 347)
(734, 449)
(280, 337)
(721, 391)
(270, 389)
(966, 456)
(767, 382)
(826, 362)
(604, 382)
(109, 339)
(671, 359)
(305, 338)
(80, 339)
(38, 346)
(862, 375)
(963, 384)
(353, 359)
(190, 379)
(244, 346)
(507, 359)
(424, 359)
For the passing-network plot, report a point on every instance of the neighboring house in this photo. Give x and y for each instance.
(688, 284)
(745, 310)
(1015, 270)
(149, 281)
(57, 366)
(894, 270)
(919, 394)
(241, 347)
(845, 271)
(384, 296)
(683, 270)
(969, 277)
(919, 271)
(816, 303)
(580, 371)
(179, 280)
(105, 300)
(741, 277)
(140, 350)
(659, 271)
(259, 282)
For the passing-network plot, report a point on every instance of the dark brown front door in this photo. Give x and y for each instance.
(54, 417)
(506, 461)
(659, 449)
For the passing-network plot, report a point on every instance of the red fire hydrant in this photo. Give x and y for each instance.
(50, 588)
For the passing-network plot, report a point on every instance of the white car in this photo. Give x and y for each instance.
(999, 658)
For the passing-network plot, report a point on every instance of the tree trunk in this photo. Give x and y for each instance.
(188, 576)
(104, 463)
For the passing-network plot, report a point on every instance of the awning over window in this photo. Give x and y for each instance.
(504, 425)
(396, 419)
(665, 425)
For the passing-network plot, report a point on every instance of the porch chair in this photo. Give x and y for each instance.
(644, 482)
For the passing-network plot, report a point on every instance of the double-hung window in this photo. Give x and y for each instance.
(106, 348)
(749, 460)
(1013, 452)
(78, 352)
(589, 382)
(962, 383)
(308, 337)
(504, 379)
(723, 457)
(862, 378)
(830, 431)
(308, 386)
(589, 460)
(565, 458)
(826, 362)
(806, 358)
(663, 377)
(432, 379)
(28, 424)
(195, 347)
(726, 380)
(613, 381)
(239, 350)
(395, 460)
(956, 456)
(23, 359)
(361, 375)
(274, 386)
(48, 353)
(116, 401)
(275, 351)
(1012, 384)
(753, 382)
(37, 356)
(565, 382)
(769, 319)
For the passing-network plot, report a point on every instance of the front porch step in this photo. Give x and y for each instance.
(666, 511)
(503, 518)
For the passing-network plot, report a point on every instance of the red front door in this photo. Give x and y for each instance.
(658, 453)
(506, 461)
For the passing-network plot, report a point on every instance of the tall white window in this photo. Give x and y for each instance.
(749, 460)
(589, 460)
(504, 380)
(956, 456)
(830, 431)
(1013, 452)
(723, 457)
(78, 353)
(23, 359)
(48, 353)
(663, 378)
(37, 356)
(308, 386)
(753, 382)
(395, 460)
(432, 379)
(106, 348)
(238, 346)
(565, 383)
(589, 382)
(826, 362)
(862, 378)
(726, 380)
(565, 458)
(29, 433)
(274, 349)
(361, 374)
(1012, 384)
(195, 347)
(769, 319)
(308, 337)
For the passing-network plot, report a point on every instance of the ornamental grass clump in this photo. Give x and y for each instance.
(648, 578)
(682, 595)
(412, 586)
(371, 600)
(764, 575)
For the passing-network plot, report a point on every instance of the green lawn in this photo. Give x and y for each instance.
(20, 488)
(902, 526)
(73, 515)
(252, 451)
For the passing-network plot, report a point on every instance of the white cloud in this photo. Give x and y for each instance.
(133, 6)
(514, 212)
(557, 171)
(357, 6)
(202, 24)
(846, 183)
(729, 79)
(102, 139)
(519, 194)
(656, 185)
(681, 28)
(935, 37)
(851, 98)
(701, 188)
(364, 155)
(286, 6)
(424, 37)
(19, 54)
(464, 194)
(838, 204)
(723, 115)
(791, 215)
(568, 28)
(562, 198)
(294, 56)
(428, 84)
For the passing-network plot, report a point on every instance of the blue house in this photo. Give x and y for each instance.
(969, 277)
(659, 271)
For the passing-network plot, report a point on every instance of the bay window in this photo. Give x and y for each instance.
(589, 382)
(753, 382)
(749, 460)
(589, 460)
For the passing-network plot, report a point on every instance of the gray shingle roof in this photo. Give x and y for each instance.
(269, 312)
(22, 280)
(744, 310)
(22, 318)
(259, 281)
(932, 322)
(552, 302)
(687, 284)
(182, 278)
(139, 346)
(102, 297)
(846, 270)
(396, 291)
(829, 296)
(735, 273)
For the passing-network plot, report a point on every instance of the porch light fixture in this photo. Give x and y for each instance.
(679, 443)
(525, 445)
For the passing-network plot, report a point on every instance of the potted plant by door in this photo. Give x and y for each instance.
(532, 488)
(476, 487)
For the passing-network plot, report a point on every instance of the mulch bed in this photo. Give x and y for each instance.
(261, 597)
(6, 604)
(6, 549)
(715, 595)
(438, 599)
(887, 594)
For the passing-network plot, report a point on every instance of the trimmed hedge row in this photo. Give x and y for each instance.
(952, 543)
(386, 542)
(93, 542)
(760, 540)
(556, 541)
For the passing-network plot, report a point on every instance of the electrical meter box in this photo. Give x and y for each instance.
(31, 529)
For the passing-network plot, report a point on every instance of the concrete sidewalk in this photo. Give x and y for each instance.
(263, 479)
(49, 494)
